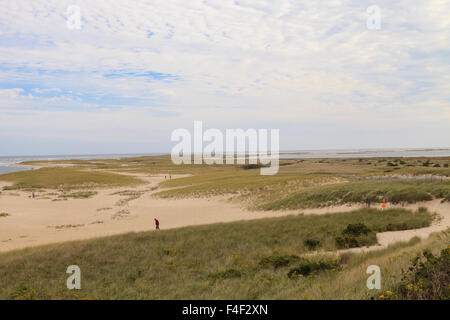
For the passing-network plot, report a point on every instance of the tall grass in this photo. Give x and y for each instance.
(398, 191)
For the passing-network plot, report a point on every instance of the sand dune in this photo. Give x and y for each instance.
(43, 220)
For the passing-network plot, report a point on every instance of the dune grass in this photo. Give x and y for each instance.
(242, 260)
(397, 190)
(66, 178)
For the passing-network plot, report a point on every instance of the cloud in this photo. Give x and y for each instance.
(248, 63)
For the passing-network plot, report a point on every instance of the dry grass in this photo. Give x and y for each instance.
(220, 261)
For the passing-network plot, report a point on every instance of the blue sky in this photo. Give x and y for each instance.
(137, 70)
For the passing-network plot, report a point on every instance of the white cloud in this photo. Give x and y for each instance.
(237, 62)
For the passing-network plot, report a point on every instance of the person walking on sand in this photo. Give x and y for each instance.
(368, 202)
(156, 224)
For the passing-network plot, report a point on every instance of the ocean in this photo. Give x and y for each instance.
(8, 164)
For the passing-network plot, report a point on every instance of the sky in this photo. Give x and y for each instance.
(137, 70)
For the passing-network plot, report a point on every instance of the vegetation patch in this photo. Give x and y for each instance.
(428, 277)
(4, 214)
(227, 274)
(79, 195)
(397, 190)
(66, 178)
(307, 267)
(254, 166)
(278, 261)
(355, 235)
(311, 244)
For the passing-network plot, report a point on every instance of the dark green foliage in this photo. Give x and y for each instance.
(307, 267)
(356, 229)
(278, 261)
(311, 244)
(227, 274)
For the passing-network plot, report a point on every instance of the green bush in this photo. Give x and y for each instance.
(307, 267)
(428, 278)
(356, 229)
(253, 166)
(311, 244)
(391, 164)
(355, 235)
(278, 261)
(351, 241)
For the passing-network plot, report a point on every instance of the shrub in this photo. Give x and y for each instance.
(428, 278)
(350, 241)
(278, 261)
(311, 244)
(253, 166)
(307, 267)
(356, 229)
(391, 164)
(355, 235)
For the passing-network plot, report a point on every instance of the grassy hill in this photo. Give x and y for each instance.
(261, 259)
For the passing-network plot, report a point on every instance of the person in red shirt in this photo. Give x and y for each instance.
(157, 224)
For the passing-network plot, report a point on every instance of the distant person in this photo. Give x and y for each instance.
(368, 202)
(32, 195)
(156, 224)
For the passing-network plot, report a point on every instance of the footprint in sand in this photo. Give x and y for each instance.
(66, 226)
(121, 214)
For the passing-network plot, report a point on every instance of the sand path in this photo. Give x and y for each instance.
(387, 238)
(42, 220)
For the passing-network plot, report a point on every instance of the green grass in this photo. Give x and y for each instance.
(238, 260)
(66, 178)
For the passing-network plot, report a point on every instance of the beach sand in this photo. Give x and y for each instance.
(42, 220)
